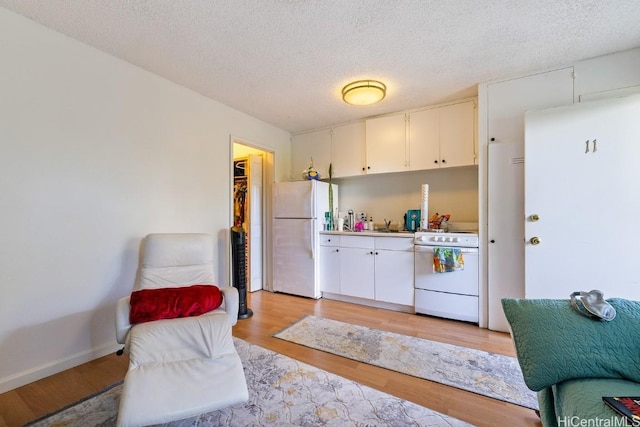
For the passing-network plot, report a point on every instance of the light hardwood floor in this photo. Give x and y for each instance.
(273, 312)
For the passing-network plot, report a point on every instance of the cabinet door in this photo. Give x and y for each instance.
(348, 150)
(330, 269)
(424, 144)
(386, 144)
(312, 145)
(357, 272)
(505, 186)
(507, 101)
(457, 134)
(394, 277)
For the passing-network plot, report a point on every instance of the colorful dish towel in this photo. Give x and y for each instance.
(446, 260)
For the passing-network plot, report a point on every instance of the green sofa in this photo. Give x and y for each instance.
(572, 361)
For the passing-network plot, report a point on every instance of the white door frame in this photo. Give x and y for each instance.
(268, 174)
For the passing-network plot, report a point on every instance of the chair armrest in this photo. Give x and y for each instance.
(122, 319)
(231, 302)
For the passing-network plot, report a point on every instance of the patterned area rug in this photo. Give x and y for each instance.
(282, 392)
(489, 374)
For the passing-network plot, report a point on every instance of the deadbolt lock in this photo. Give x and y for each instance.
(533, 217)
(534, 240)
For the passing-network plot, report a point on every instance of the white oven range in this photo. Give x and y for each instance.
(452, 295)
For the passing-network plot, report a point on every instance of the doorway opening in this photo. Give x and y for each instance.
(252, 170)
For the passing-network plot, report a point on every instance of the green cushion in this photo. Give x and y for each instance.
(554, 343)
(546, 408)
(583, 399)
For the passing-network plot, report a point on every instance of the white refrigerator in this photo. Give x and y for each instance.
(298, 217)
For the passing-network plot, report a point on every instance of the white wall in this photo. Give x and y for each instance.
(96, 153)
(451, 190)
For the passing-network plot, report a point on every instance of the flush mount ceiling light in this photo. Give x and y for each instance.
(364, 92)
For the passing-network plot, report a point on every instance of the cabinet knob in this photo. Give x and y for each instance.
(371, 253)
(368, 167)
(376, 253)
(492, 241)
(444, 161)
(493, 139)
(337, 250)
(362, 169)
(435, 161)
(328, 240)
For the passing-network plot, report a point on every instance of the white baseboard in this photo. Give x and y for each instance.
(25, 377)
(369, 302)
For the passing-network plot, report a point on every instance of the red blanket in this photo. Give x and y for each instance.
(169, 303)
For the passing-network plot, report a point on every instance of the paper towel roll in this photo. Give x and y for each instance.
(424, 207)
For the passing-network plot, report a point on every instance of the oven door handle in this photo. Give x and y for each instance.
(429, 249)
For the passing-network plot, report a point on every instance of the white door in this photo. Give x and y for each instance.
(506, 229)
(582, 181)
(255, 223)
(507, 102)
(293, 199)
(294, 257)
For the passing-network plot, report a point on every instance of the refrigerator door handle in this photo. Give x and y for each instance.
(313, 242)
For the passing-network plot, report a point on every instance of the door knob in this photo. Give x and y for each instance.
(534, 240)
(534, 217)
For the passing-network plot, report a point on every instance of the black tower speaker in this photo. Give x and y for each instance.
(239, 263)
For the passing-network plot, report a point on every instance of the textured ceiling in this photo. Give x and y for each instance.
(285, 61)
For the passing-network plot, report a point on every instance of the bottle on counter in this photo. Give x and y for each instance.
(370, 223)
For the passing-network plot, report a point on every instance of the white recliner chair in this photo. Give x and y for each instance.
(179, 367)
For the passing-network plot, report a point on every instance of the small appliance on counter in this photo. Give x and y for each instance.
(413, 219)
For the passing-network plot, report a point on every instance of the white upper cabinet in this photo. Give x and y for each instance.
(443, 137)
(432, 138)
(311, 145)
(458, 135)
(424, 144)
(348, 150)
(507, 101)
(386, 144)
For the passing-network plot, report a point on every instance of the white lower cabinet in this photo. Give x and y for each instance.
(394, 270)
(357, 266)
(379, 269)
(329, 263)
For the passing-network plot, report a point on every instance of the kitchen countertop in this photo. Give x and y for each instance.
(374, 233)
